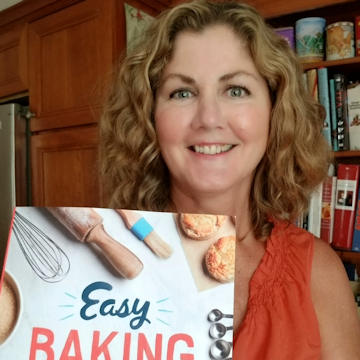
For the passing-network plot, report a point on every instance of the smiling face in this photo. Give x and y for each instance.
(212, 114)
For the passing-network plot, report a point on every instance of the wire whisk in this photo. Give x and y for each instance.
(45, 257)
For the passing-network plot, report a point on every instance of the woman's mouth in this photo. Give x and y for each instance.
(211, 149)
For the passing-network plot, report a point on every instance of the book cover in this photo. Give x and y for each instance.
(314, 216)
(324, 99)
(353, 96)
(328, 208)
(341, 112)
(79, 284)
(346, 195)
(334, 140)
(312, 83)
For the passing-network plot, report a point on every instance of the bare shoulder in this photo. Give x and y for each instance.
(334, 305)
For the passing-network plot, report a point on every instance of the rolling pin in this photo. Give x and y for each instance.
(87, 226)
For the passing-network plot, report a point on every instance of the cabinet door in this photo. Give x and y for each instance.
(13, 60)
(70, 54)
(64, 167)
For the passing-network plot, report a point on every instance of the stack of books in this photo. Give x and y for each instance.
(334, 210)
(341, 101)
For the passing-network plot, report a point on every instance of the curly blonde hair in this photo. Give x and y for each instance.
(297, 155)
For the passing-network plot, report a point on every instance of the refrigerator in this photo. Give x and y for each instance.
(14, 166)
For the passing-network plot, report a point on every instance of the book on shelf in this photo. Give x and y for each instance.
(324, 99)
(353, 102)
(334, 139)
(351, 271)
(78, 284)
(288, 34)
(356, 235)
(345, 205)
(341, 112)
(314, 214)
(312, 83)
(328, 209)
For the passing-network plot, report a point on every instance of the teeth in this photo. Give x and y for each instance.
(212, 149)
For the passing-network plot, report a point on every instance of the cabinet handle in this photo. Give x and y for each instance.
(28, 114)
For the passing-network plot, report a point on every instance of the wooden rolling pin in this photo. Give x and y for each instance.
(87, 226)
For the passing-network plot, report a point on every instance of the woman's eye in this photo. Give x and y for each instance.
(237, 91)
(181, 94)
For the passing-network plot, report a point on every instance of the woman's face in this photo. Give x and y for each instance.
(212, 113)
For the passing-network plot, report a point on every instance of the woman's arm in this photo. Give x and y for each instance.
(334, 305)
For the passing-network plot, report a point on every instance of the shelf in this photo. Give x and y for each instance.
(330, 63)
(346, 154)
(349, 256)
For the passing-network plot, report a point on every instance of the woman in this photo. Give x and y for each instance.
(208, 115)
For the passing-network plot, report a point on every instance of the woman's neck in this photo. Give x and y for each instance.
(209, 203)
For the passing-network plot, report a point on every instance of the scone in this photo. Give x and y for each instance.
(200, 226)
(220, 259)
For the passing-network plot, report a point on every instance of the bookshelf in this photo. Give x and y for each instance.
(350, 67)
(332, 63)
(354, 155)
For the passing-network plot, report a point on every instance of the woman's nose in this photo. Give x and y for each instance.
(208, 113)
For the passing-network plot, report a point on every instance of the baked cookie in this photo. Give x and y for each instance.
(200, 226)
(220, 259)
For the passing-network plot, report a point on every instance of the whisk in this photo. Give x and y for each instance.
(45, 257)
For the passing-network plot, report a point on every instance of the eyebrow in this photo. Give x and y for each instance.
(189, 80)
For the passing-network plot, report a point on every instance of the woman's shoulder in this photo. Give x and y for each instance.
(289, 234)
(334, 304)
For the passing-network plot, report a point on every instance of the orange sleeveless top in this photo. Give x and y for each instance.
(280, 322)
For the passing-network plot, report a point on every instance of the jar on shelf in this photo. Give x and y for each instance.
(340, 40)
(309, 34)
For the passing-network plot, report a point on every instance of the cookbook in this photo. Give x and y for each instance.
(91, 283)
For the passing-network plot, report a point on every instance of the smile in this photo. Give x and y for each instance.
(211, 149)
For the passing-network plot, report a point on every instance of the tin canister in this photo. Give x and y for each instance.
(340, 40)
(309, 33)
(357, 36)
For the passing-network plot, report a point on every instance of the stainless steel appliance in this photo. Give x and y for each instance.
(14, 166)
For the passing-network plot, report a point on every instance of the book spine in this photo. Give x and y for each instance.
(324, 99)
(333, 116)
(341, 112)
(314, 223)
(312, 83)
(356, 236)
(328, 208)
(304, 81)
(305, 224)
(353, 102)
(346, 195)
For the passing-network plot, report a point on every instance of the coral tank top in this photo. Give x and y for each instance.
(280, 322)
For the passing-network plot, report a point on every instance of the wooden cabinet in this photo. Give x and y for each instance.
(70, 53)
(13, 60)
(65, 171)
